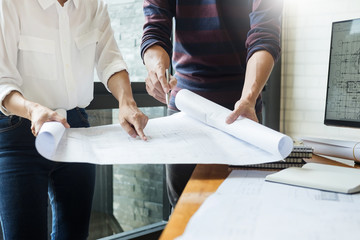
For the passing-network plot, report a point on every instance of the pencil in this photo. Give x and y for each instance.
(167, 95)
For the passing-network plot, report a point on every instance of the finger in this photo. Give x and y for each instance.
(140, 132)
(158, 96)
(162, 79)
(60, 119)
(149, 87)
(65, 123)
(140, 127)
(128, 128)
(32, 128)
(173, 82)
(232, 117)
(35, 128)
(158, 92)
(151, 80)
(139, 121)
(153, 86)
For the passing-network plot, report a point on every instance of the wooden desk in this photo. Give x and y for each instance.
(204, 181)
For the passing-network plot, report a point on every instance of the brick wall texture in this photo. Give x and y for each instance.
(305, 58)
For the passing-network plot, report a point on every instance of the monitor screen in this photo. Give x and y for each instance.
(343, 86)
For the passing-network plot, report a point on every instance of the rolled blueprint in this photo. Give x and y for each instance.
(49, 137)
(334, 148)
(245, 129)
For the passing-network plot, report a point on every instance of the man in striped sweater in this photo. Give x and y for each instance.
(224, 50)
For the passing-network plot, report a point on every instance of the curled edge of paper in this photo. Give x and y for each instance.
(285, 146)
(334, 148)
(280, 147)
(45, 144)
(49, 137)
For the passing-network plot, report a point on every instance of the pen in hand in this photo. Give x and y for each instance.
(167, 95)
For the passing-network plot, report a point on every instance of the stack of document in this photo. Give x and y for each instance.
(295, 159)
(334, 147)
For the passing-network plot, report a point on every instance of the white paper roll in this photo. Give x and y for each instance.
(334, 148)
(244, 129)
(49, 136)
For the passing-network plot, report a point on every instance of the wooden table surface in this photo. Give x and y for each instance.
(204, 181)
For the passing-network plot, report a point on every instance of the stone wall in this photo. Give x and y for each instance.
(127, 20)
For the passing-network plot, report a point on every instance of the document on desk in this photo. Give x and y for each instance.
(198, 134)
(247, 207)
(335, 148)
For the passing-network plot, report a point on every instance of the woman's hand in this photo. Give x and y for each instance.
(40, 114)
(17, 105)
(130, 117)
(132, 120)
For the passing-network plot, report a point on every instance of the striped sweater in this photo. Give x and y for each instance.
(213, 41)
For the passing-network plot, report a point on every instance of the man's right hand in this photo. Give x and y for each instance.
(157, 61)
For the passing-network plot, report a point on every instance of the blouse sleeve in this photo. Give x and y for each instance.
(10, 79)
(109, 59)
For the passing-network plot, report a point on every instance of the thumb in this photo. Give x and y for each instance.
(232, 117)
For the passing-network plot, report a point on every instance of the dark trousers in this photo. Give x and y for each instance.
(27, 180)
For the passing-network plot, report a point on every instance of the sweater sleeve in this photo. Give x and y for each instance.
(158, 24)
(265, 27)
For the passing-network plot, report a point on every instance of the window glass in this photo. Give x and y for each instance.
(127, 197)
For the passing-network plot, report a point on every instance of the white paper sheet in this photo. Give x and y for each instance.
(179, 138)
(248, 208)
(335, 148)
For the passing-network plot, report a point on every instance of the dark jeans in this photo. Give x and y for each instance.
(27, 179)
(177, 175)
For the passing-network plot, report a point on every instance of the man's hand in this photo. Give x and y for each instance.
(157, 61)
(258, 70)
(244, 109)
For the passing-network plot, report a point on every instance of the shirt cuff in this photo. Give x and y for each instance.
(118, 66)
(4, 91)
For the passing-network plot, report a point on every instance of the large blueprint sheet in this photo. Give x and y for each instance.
(248, 208)
(198, 134)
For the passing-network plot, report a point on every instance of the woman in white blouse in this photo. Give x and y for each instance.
(48, 52)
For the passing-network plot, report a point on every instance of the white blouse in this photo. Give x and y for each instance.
(48, 52)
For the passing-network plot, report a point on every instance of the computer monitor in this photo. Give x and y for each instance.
(343, 86)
